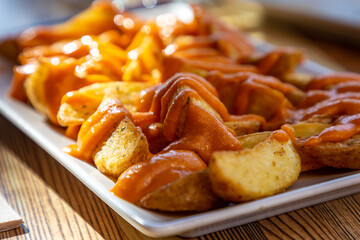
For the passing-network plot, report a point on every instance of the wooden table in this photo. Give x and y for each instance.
(55, 205)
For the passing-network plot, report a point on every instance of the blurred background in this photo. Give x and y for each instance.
(329, 30)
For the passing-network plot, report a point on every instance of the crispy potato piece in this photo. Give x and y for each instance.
(174, 64)
(250, 140)
(34, 88)
(265, 102)
(144, 60)
(124, 147)
(302, 130)
(74, 113)
(199, 101)
(98, 18)
(305, 130)
(299, 80)
(334, 154)
(190, 193)
(280, 61)
(155, 136)
(244, 127)
(252, 173)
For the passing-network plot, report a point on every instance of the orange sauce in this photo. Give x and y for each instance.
(212, 65)
(160, 170)
(143, 102)
(248, 117)
(59, 81)
(285, 57)
(197, 53)
(96, 128)
(313, 97)
(289, 130)
(283, 134)
(337, 96)
(346, 128)
(17, 89)
(157, 102)
(204, 133)
(244, 93)
(72, 131)
(80, 98)
(331, 79)
(201, 91)
(144, 119)
(191, 42)
(20, 73)
(234, 37)
(279, 135)
(349, 86)
(331, 108)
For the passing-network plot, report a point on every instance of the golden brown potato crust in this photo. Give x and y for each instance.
(191, 193)
(124, 147)
(252, 173)
(344, 154)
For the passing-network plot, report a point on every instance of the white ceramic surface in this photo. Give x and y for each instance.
(311, 188)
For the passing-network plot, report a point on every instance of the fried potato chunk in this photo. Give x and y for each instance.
(305, 130)
(190, 193)
(124, 147)
(244, 127)
(76, 112)
(250, 140)
(34, 88)
(333, 154)
(268, 168)
(98, 18)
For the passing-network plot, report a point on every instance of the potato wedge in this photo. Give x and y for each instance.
(265, 102)
(299, 80)
(306, 129)
(74, 113)
(124, 147)
(250, 140)
(182, 118)
(244, 127)
(191, 193)
(252, 173)
(98, 18)
(303, 131)
(34, 88)
(333, 154)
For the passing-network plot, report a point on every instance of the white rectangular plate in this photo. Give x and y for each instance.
(311, 188)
